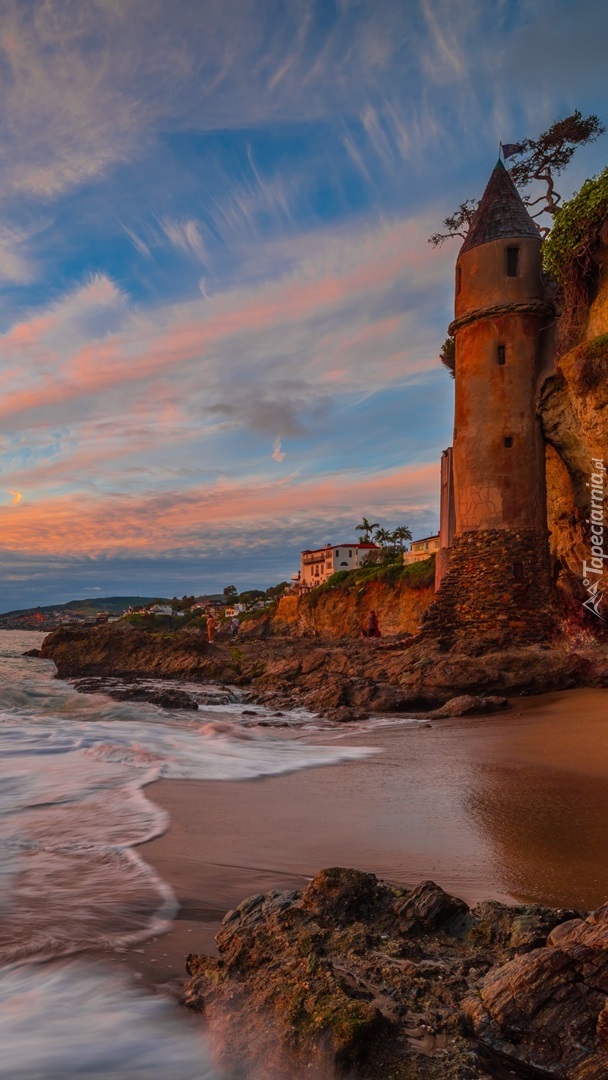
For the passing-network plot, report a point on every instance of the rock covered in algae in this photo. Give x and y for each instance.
(355, 977)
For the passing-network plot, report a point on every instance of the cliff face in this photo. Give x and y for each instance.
(574, 412)
(343, 613)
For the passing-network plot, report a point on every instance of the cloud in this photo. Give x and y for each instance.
(186, 237)
(137, 241)
(261, 357)
(439, 17)
(16, 265)
(122, 73)
(277, 453)
(17, 497)
(236, 246)
(229, 512)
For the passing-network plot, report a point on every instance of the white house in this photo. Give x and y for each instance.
(319, 565)
(421, 549)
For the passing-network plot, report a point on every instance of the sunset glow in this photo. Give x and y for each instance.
(220, 316)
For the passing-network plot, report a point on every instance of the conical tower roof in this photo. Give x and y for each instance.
(501, 214)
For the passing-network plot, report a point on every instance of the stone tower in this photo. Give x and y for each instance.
(495, 564)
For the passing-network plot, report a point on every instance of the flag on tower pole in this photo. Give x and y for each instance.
(510, 148)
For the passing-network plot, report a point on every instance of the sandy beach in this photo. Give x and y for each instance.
(512, 807)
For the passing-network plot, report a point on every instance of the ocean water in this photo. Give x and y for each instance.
(73, 810)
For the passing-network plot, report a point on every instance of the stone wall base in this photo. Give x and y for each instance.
(498, 583)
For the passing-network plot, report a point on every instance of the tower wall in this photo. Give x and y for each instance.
(496, 579)
(482, 279)
(498, 450)
(482, 595)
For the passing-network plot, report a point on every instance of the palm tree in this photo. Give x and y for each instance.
(401, 535)
(366, 527)
(382, 537)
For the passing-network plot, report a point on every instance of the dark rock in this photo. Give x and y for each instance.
(342, 895)
(521, 927)
(124, 693)
(32, 652)
(338, 674)
(546, 1009)
(344, 715)
(173, 699)
(428, 908)
(166, 697)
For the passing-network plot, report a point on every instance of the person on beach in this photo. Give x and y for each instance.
(211, 626)
(234, 627)
(372, 629)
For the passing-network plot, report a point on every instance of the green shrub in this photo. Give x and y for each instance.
(336, 579)
(418, 575)
(569, 250)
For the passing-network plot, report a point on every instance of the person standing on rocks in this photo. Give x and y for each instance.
(211, 627)
(234, 627)
(373, 630)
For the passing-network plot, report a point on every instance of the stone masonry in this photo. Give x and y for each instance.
(498, 583)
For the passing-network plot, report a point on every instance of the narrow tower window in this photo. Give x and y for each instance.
(500, 355)
(458, 279)
(518, 571)
(509, 441)
(512, 261)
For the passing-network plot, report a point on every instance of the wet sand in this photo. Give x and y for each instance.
(512, 807)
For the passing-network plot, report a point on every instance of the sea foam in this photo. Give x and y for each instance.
(73, 810)
(79, 1019)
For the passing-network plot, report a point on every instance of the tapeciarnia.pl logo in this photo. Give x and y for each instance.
(593, 570)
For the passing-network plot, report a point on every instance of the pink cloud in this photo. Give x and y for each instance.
(94, 525)
(210, 333)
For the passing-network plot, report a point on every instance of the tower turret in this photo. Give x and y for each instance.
(498, 561)
(500, 308)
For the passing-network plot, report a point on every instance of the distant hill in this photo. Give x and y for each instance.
(89, 606)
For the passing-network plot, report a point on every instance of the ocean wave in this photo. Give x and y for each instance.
(72, 806)
(76, 1020)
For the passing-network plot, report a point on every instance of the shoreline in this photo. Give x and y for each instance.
(342, 679)
(441, 803)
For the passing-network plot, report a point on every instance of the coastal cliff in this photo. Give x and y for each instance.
(574, 399)
(343, 612)
(575, 419)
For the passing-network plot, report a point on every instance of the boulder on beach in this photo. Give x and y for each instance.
(355, 977)
(470, 705)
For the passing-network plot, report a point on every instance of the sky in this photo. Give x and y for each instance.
(219, 314)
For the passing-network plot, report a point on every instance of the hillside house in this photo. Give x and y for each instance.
(421, 549)
(319, 565)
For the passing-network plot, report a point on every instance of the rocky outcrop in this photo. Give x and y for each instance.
(344, 612)
(355, 977)
(123, 650)
(342, 679)
(548, 1009)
